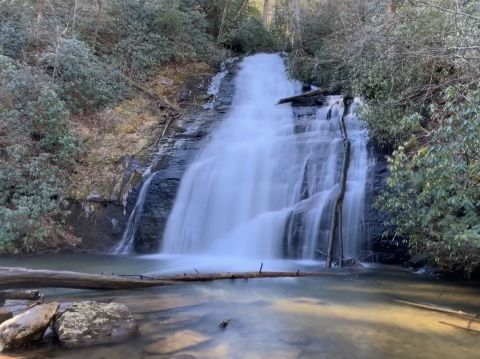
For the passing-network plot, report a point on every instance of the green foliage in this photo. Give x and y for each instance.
(37, 147)
(77, 56)
(84, 83)
(250, 36)
(433, 194)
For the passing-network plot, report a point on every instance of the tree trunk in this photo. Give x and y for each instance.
(74, 16)
(98, 4)
(266, 12)
(222, 20)
(240, 10)
(336, 224)
(24, 278)
(297, 30)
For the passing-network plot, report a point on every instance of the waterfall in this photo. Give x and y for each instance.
(264, 184)
(125, 246)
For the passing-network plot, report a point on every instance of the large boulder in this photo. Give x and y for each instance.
(27, 327)
(91, 323)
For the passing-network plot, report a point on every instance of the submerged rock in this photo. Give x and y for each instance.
(91, 323)
(176, 342)
(27, 327)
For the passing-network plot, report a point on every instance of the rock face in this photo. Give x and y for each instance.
(177, 153)
(91, 323)
(27, 327)
(387, 250)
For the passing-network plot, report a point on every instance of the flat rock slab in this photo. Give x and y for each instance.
(176, 342)
(27, 327)
(91, 323)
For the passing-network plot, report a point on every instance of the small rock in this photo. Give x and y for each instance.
(91, 323)
(166, 81)
(94, 197)
(5, 315)
(27, 327)
(176, 342)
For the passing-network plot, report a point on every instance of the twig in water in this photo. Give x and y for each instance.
(460, 327)
(224, 323)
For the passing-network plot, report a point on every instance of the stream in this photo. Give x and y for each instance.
(353, 316)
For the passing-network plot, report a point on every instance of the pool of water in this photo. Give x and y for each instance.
(353, 316)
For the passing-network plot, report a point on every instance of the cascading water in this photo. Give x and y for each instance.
(126, 244)
(264, 185)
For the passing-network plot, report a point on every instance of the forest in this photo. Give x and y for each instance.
(414, 63)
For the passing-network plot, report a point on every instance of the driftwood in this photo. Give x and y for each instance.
(336, 224)
(311, 98)
(435, 308)
(25, 278)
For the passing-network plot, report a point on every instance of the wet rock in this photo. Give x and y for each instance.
(5, 315)
(16, 306)
(27, 327)
(176, 342)
(91, 323)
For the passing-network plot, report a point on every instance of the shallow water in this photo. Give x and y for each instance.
(353, 316)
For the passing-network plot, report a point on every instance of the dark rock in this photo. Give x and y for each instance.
(91, 323)
(306, 88)
(26, 328)
(387, 250)
(5, 315)
(417, 261)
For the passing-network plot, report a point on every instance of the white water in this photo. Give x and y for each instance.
(125, 246)
(263, 186)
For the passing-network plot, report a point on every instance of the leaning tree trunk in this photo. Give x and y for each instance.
(336, 224)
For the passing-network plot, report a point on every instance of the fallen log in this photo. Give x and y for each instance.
(311, 98)
(249, 275)
(435, 308)
(25, 278)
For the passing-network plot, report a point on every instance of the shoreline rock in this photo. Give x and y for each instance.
(92, 323)
(28, 327)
